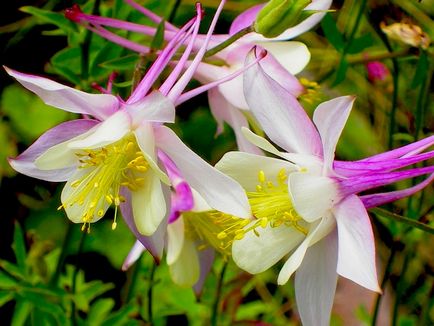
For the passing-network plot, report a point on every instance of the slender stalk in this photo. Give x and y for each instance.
(74, 277)
(421, 103)
(363, 58)
(229, 41)
(403, 219)
(173, 11)
(132, 276)
(63, 253)
(387, 272)
(400, 287)
(215, 307)
(150, 292)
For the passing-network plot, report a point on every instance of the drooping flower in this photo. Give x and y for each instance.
(195, 231)
(307, 204)
(112, 159)
(226, 100)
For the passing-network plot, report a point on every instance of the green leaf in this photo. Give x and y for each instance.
(12, 269)
(28, 114)
(21, 312)
(5, 297)
(7, 282)
(8, 148)
(414, 223)
(123, 63)
(360, 43)
(19, 248)
(89, 291)
(158, 40)
(46, 16)
(99, 311)
(332, 33)
(341, 72)
(122, 316)
(422, 69)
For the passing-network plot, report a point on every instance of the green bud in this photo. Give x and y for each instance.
(279, 15)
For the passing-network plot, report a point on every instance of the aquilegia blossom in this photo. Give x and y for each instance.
(112, 158)
(226, 100)
(306, 204)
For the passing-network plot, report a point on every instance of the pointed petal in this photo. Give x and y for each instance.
(278, 112)
(152, 108)
(330, 118)
(316, 233)
(206, 259)
(149, 205)
(223, 111)
(245, 167)
(101, 106)
(245, 19)
(25, 162)
(175, 240)
(375, 200)
(225, 195)
(286, 59)
(133, 256)
(356, 258)
(315, 282)
(155, 243)
(146, 140)
(107, 132)
(256, 254)
(186, 269)
(312, 196)
(260, 142)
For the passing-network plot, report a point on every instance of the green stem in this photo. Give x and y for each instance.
(229, 41)
(63, 253)
(215, 307)
(400, 288)
(132, 276)
(421, 226)
(86, 45)
(421, 102)
(387, 272)
(150, 292)
(74, 277)
(363, 58)
(173, 11)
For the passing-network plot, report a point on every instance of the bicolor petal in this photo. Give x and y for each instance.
(101, 106)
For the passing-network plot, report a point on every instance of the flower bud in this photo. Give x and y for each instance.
(279, 15)
(407, 33)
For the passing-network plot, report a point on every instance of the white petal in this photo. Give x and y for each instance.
(245, 167)
(261, 142)
(316, 233)
(134, 255)
(185, 270)
(107, 132)
(293, 56)
(175, 240)
(146, 140)
(278, 112)
(223, 111)
(100, 106)
(256, 254)
(356, 260)
(152, 108)
(312, 196)
(330, 118)
(149, 205)
(315, 282)
(219, 191)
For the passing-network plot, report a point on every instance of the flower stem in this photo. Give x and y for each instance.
(74, 278)
(63, 253)
(364, 58)
(421, 226)
(229, 41)
(422, 99)
(86, 45)
(173, 11)
(400, 287)
(150, 292)
(215, 307)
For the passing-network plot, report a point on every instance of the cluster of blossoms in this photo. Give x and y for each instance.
(299, 203)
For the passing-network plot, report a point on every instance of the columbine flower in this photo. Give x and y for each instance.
(305, 202)
(226, 100)
(194, 232)
(112, 159)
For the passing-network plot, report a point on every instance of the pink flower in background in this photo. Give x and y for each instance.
(377, 71)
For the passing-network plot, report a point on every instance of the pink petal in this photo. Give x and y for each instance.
(101, 106)
(278, 112)
(206, 259)
(134, 255)
(24, 163)
(218, 190)
(356, 257)
(315, 282)
(330, 118)
(245, 19)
